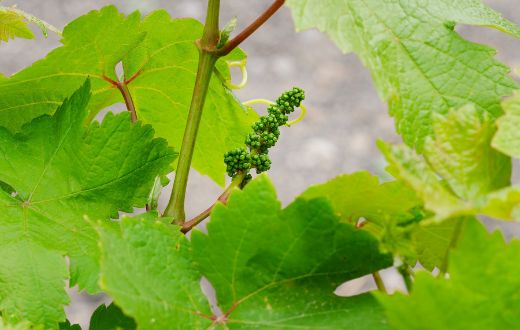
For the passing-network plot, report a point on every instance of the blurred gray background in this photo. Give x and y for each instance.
(345, 117)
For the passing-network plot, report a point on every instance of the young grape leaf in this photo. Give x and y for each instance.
(480, 293)
(461, 154)
(147, 268)
(360, 194)
(110, 318)
(60, 173)
(159, 58)
(419, 63)
(476, 176)
(437, 195)
(412, 169)
(387, 209)
(432, 242)
(13, 26)
(507, 138)
(392, 212)
(277, 268)
(503, 204)
(271, 268)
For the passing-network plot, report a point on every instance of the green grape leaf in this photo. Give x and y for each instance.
(92, 46)
(503, 204)
(360, 194)
(406, 165)
(507, 137)
(475, 176)
(110, 318)
(159, 58)
(167, 55)
(271, 268)
(433, 241)
(157, 256)
(13, 26)
(387, 209)
(275, 268)
(226, 32)
(392, 213)
(62, 172)
(68, 326)
(19, 326)
(437, 195)
(420, 64)
(480, 293)
(461, 154)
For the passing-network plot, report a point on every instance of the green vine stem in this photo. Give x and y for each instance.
(379, 282)
(207, 62)
(44, 26)
(209, 54)
(406, 272)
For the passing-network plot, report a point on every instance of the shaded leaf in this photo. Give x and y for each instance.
(110, 318)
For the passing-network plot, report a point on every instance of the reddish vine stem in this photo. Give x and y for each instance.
(250, 29)
(125, 92)
(123, 88)
(223, 198)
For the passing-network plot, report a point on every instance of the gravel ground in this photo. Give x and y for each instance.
(346, 115)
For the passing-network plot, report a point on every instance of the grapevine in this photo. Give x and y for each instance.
(81, 185)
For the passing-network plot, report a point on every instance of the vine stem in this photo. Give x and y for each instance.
(379, 282)
(208, 56)
(122, 86)
(207, 60)
(249, 30)
(44, 26)
(223, 198)
(129, 102)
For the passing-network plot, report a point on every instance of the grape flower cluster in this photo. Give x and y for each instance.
(266, 132)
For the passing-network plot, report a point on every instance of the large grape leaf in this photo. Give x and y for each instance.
(275, 268)
(159, 58)
(13, 26)
(271, 268)
(420, 64)
(58, 172)
(480, 293)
